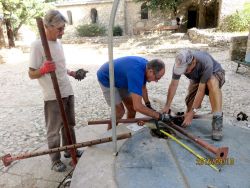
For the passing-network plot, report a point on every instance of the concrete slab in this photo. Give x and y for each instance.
(98, 164)
(145, 161)
(36, 172)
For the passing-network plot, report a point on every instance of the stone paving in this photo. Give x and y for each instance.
(21, 105)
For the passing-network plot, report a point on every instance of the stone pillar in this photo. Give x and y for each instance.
(247, 58)
(238, 48)
(201, 21)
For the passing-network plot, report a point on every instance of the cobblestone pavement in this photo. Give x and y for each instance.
(21, 105)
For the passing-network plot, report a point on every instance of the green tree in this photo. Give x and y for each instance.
(162, 5)
(19, 12)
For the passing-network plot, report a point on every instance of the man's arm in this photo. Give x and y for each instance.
(196, 104)
(47, 67)
(139, 107)
(171, 93)
(145, 94)
(34, 73)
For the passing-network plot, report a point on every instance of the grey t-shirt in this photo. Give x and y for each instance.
(205, 67)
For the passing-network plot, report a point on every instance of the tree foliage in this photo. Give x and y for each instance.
(21, 12)
(162, 5)
(238, 21)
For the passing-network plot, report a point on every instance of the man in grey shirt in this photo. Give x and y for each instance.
(206, 78)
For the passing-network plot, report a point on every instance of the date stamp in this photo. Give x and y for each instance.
(215, 161)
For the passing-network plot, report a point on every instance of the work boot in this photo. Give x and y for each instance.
(58, 166)
(217, 125)
(78, 153)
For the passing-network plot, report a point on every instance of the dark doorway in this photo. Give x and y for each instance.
(192, 17)
(144, 11)
(93, 15)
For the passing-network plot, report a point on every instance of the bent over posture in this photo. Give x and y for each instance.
(206, 78)
(131, 74)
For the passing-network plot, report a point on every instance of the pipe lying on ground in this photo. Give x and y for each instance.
(7, 159)
(190, 150)
(220, 153)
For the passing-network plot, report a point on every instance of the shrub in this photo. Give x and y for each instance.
(117, 31)
(90, 30)
(238, 21)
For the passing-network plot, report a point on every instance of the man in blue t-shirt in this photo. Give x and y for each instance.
(206, 78)
(131, 74)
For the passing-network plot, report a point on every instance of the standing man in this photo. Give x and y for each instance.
(131, 74)
(40, 68)
(206, 77)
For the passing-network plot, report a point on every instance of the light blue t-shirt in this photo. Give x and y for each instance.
(129, 73)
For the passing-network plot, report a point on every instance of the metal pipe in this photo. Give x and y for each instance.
(45, 44)
(111, 72)
(190, 150)
(136, 120)
(131, 120)
(7, 159)
(221, 152)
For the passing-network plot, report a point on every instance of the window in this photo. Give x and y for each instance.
(93, 15)
(144, 11)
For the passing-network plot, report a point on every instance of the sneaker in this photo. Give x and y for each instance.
(78, 154)
(58, 166)
(217, 125)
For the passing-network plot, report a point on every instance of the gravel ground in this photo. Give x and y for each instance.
(21, 105)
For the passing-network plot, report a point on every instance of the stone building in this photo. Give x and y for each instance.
(132, 16)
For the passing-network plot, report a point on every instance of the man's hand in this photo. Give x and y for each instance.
(164, 117)
(166, 110)
(188, 119)
(148, 104)
(48, 66)
(80, 74)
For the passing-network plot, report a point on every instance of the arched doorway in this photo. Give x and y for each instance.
(192, 16)
(93, 15)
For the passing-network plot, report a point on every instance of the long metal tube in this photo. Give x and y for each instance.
(56, 87)
(135, 120)
(131, 120)
(219, 152)
(111, 72)
(7, 159)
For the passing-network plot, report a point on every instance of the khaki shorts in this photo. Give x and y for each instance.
(193, 87)
(120, 94)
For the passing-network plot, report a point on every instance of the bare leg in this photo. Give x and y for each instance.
(129, 105)
(215, 96)
(120, 111)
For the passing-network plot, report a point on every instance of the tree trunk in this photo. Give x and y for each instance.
(10, 33)
(2, 41)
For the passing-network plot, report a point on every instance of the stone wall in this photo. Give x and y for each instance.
(238, 48)
(128, 15)
(208, 36)
(81, 12)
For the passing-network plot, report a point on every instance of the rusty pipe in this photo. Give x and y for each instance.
(131, 120)
(221, 152)
(136, 120)
(47, 53)
(7, 159)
